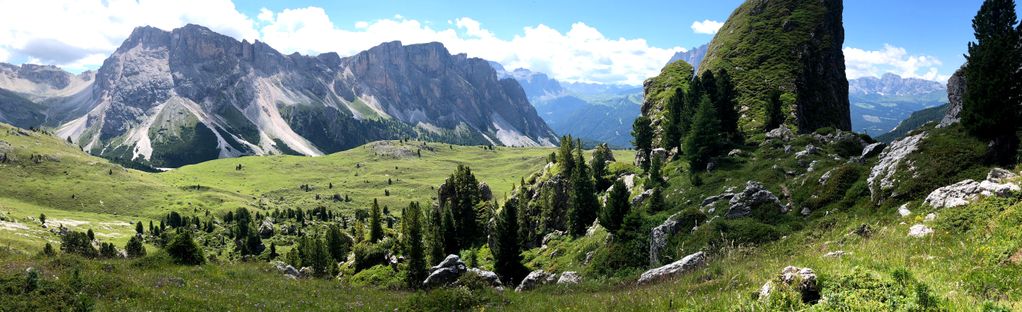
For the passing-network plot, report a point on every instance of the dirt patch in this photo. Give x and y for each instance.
(12, 226)
(68, 222)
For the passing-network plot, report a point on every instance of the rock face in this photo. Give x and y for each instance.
(804, 279)
(188, 95)
(535, 279)
(659, 235)
(892, 160)
(999, 182)
(446, 272)
(872, 150)
(755, 195)
(678, 267)
(955, 91)
(791, 45)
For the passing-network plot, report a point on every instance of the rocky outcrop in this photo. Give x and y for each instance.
(919, 231)
(892, 160)
(789, 45)
(686, 264)
(535, 279)
(755, 196)
(286, 269)
(802, 279)
(446, 272)
(266, 228)
(999, 182)
(569, 278)
(955, 91)
(659, 235)
(488, 276)
(872, 150)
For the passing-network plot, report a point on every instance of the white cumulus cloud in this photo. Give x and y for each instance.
(706, 27)
(79, 34)
(891, 59)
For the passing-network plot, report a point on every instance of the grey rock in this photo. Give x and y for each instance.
(569, 278)
(684, 265)
(808, 151)
(781, 133)
(755, 195)
(659, 236)
(802, 278)
(488, 276)
(641, 198)
(998, 175)
(286, 269)
(903, 210)
(919, 231)
(306, 271)
(535, 279)
(266, 228)
(955, 92)
(872, 150)
(892, 160)
(446, 272)
(735, 153)
(998, 183)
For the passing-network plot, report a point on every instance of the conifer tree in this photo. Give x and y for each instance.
(617, 206)
(565, 157)
(656, 201)
(375, 223)
(338, 243)
(273, 251)
(416, 272)
(990, 108)
(672, 128)
(139, 229)
(435, 236)
(703, 141)
(601, 155)
(184, 250)
(134, 248)
(693, 95)
(582, 209)
(655, 172)
(507, 252)
(642, 134)
(774, 117)
(725, 104)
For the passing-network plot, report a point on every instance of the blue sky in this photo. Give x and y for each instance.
(596, 41)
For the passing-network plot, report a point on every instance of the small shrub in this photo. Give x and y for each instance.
(368, 255)
(78, 243)
(184, 250)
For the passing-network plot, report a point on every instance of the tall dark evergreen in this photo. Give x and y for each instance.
(528, 219)
(435, 235)
(135, 248)
(375, 223)
(507, 251)
(601, 155)
(990, 108)
(673, 128)
(616, 208)
(693, 96)
(416, 271)
(183, 249)
(338, 243)
(773, 116)
(583, 202)
(655, 172)
(565, 156)
(725, 104)
(642, 134)
(704, 140)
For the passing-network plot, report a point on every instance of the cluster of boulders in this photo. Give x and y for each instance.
(755, 195)
(539, 277)
(686, 264)
(288, 270)
(802, 279)
(999, 182)
(446, 272)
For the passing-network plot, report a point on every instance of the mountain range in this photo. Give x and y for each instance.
(878, 105)
(170, 98)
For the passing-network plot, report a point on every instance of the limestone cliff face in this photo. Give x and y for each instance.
(955, 91)
(788, 45)
(177, 97)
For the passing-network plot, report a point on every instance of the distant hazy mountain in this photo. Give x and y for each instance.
(170, 98)
(596, 113)
(692, 57)
(878, 105)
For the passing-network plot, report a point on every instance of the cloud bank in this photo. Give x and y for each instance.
(706, 27)
(891, 59)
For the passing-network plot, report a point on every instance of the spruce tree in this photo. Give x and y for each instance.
(601, 155)
(435, 235)
(583, 202)
(273, 251)
(338, 243)
(416, 272)
(773, 115)
(642, 134)
(565, 158)
(990, 108)
(507, 252)
(672, 128)
(375, 223)
(693, 95)
(655, 172)
(656, 201)
(725, 104)
(134, 248)
(184, 250)
(704, 140)
(617, 206)
(139, 229)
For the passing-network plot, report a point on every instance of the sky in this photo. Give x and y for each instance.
(598, 41)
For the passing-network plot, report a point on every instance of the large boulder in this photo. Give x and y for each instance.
(872, 150)
(488, 276)
(446, 272)
(781, 133)
(881, 178)
(755, 195)
(569, 278)
(535, 279)
(286, 269)
(659, 235)
(919, 231)
(686, 264)
(641, 198)
(999, 182)
(803, 279)
(266, 228)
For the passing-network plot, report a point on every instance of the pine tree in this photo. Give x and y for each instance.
(617, 206)
(990, 108)
(582, 209)
(656, 201)
(375, 223)
(139, 229)
(655, 172)
(642, 132)
(773, 117)
(507, 252)
(601, 155)
(673, 127)
(184, 250)
(565, 157)
(703, 141)
(91, 235)
(134, 248)
(338, 243)
(725, 104)
(693, 97)
(416, 272)
(435, 236)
